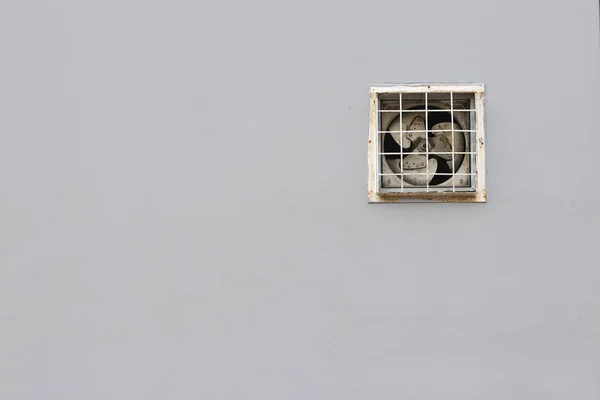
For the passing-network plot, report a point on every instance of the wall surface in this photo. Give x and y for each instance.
(183, 205)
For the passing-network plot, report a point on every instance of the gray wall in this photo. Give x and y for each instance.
(183, 203)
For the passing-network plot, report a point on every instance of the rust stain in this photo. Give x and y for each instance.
(446, 197)
(372, 96)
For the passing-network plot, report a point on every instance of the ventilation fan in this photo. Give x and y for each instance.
(425, 144)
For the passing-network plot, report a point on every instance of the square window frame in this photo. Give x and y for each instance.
(378, 194)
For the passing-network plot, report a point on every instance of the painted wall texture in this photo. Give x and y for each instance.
(183, 203)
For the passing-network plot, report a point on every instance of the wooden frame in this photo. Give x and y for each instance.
(477, 193)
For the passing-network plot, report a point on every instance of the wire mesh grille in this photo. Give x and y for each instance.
(426, 141)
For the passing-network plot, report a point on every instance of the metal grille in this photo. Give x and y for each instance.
(425, 142)
(425, 139)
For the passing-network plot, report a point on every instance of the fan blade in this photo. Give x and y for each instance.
(420, 180)
(417, 123)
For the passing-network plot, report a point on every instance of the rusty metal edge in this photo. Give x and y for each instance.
(440, 197)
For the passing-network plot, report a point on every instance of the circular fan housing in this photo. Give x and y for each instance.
(424, 162)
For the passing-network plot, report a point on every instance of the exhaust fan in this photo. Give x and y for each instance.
(426, 143)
